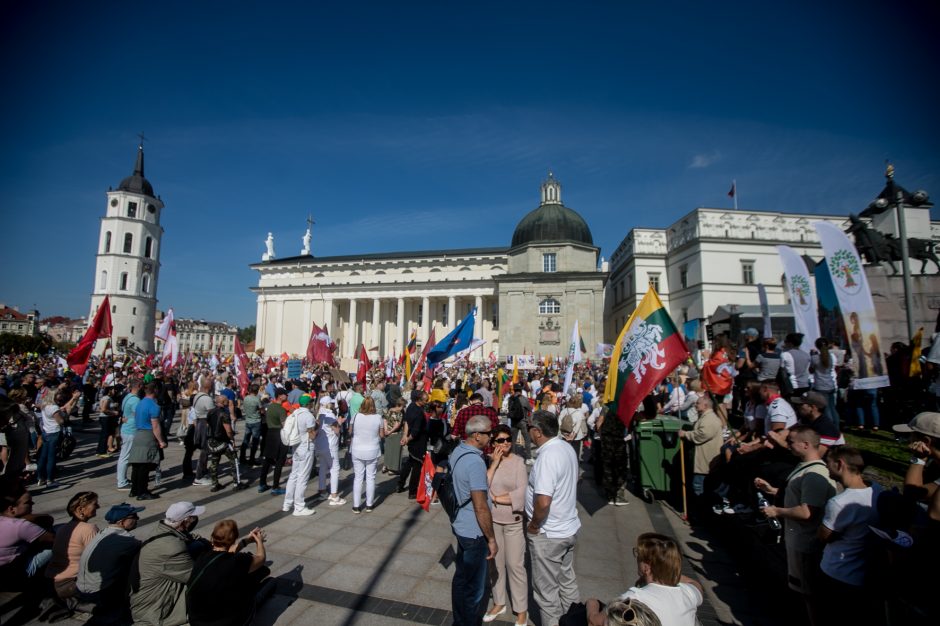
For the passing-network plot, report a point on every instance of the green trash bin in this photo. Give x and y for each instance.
(658, 453)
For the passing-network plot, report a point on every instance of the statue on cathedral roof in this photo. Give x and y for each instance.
(269, 243)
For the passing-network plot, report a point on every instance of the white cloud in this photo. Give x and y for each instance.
(700, 161)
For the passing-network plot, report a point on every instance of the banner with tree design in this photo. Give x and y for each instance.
(802, 295)
(855, 302)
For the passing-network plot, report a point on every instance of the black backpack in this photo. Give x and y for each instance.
(515, 409)
(443, 485)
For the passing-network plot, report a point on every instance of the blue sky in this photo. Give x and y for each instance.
(413, 125)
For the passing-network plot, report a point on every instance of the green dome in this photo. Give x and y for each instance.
(552, 222)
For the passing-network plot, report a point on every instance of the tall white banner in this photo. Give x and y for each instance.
(802, 296)
(574, 356)
(764, 310)
(858, 309)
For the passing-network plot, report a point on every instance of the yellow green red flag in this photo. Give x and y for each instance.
(648, 348)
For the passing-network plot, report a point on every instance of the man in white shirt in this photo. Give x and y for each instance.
(780, 415)
(327, 448)
(302, 460)
(844, 532)
(551, 508)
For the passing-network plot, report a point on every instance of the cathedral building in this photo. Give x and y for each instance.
(527, 295)
(128, 261)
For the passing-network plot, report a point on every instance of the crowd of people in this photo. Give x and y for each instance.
(515, 449)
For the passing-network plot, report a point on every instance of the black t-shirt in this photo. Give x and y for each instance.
(220, 589)
(417, 429)
(216, 419)
(827, 431)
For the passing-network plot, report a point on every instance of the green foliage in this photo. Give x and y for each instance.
(246, 334)
(843, 262)
(25, 343)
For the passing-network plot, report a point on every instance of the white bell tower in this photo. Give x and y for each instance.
(128, 261)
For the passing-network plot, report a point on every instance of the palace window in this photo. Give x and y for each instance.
(548, 262)
(107, 241)
(131, 209)
(128, 243)
(654, 281)
(123, 281)
(683, 276)
(747, 272)
(549, 306)
(495, 312)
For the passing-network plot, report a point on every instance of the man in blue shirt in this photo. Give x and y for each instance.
(473, 525)
(149, 442)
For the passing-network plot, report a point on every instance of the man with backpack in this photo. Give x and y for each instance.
(299, 432)
(518, 408)
(472, 522)
(221, 441)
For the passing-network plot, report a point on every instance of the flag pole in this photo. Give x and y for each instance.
(734, 184)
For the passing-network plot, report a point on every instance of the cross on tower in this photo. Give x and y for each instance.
(142, 138)
(310, 221)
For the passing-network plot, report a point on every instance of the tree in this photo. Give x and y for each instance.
(246, 334)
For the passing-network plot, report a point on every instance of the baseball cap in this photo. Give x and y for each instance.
(812, 398)
(751, 332)
(304, 400)
(927, 423)
(517, 387)
(181, 510)
(119, 511)
(325, 400)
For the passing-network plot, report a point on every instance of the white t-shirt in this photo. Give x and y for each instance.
(49, 425)
(365, 435)
(849, 514)
(555, 474)
(674, 606)
(779, 411)
(327, 438)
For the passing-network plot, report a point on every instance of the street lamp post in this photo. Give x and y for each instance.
(895, 196)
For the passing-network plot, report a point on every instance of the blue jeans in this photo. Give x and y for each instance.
(698, 484)
(126, 442)
(46, 465)
(469, 580)
(868, 402)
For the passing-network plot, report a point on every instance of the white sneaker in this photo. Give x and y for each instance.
(30, 467)
(287, 508)
(205, 481)
(304, 512)
(337, 501)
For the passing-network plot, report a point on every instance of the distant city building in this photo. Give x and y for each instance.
(203, 336)
(16, 323)
(64, 329)
(128, 261)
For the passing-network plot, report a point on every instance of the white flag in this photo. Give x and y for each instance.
(170, 352)
(802, 296)
(858, 309)
(164, 331)
(574, 356)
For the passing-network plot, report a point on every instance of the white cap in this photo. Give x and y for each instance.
(181, 510)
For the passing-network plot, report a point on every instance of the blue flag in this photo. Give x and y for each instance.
(458, 339)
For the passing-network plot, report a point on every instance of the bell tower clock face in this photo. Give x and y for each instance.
(114, 201)
(148, 267)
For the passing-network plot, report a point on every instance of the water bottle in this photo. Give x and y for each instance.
(157, 476)
(761, 504)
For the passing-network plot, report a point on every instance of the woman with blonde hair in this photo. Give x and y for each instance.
(367, 429)
(673, 597)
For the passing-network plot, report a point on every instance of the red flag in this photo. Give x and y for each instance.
(269, 365)
(363, 364)
(241, 367)
(426, 486)
(101, 327)
(718, 374)
(320, 347)
(424, 354)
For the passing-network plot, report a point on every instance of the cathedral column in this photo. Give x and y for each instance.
(328, 316)
(376, 313)
(350, 348)
(425, 318)
(307, 323)
(451, 313)
(478, 322)
(399, 327)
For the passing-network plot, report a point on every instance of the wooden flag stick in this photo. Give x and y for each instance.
(685, 506)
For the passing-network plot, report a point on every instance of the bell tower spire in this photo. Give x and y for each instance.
(551, 190)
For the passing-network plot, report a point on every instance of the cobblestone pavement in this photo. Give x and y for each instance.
(393, 565)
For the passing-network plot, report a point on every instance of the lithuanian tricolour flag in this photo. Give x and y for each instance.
(648, 349)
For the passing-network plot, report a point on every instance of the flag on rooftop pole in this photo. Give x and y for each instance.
(733, 193)
(456, 341)
(648, 348)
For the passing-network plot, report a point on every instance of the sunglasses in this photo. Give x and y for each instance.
(502, 440)
(488, 433)
(629, 616)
